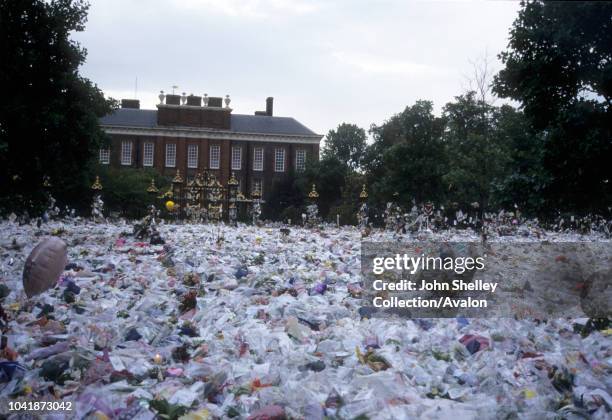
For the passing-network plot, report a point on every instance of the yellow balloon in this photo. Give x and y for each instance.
(170, 205)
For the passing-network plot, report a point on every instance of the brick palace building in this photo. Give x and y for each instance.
(195, 134)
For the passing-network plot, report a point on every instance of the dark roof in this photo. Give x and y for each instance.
(269, 125)
(240, 123)
(130, 117)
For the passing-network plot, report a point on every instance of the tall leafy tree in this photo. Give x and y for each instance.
(348, 204)
(48, 112)
(286, 198)
(559, 66)
(477, 152)
(329, 175)
(408, 156)
(347, 143)
(289, 196)
(525, 180)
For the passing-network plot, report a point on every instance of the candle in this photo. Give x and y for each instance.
(158, 359)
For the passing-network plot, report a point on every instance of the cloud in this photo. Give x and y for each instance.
(251, 9)
(378, 64)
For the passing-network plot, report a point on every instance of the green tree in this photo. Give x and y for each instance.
(48, 113)
(407, 156)
(559, 66)
(477, 152)
(289, 195)
(347, 143)
(526, 179)
(329, 176)
(349, 202)
(125, 190)
(286, 200)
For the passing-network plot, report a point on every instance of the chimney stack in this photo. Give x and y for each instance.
(193, 100)
(130, 103)
(269, 106)
(173, 99)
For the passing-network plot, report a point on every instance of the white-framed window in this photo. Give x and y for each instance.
(147, 154)
(236, 158)
(258, 154)
(257, 186)
(300, 160)
(279, 160)
(192, 156)
(104, 156)
(170, 155)
(126, 152)
(215, 157)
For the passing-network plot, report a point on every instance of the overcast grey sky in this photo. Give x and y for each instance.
(323, 61)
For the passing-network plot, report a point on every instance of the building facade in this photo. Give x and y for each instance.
(194, 134)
